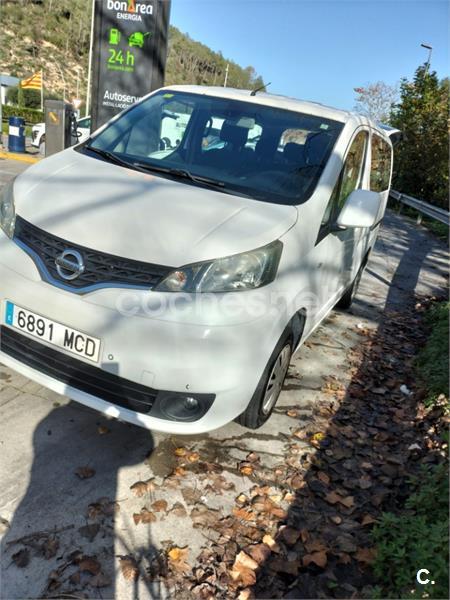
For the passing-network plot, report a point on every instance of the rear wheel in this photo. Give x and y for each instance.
(269, 387)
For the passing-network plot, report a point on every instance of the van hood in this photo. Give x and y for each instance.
(140, 216)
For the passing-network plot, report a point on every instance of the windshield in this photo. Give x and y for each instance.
(259, 151)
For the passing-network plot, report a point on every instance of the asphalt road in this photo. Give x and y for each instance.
(44, 438)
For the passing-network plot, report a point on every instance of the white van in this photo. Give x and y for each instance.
(169, 287)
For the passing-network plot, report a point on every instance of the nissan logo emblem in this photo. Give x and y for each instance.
(70, 265)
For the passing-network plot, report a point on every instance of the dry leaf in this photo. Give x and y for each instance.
(191, 495)
(269, 541)
(348, 501)
(140, 488)
(244, 514)
(180, 472)
(324, 478)
(246, 468)
(21, 558)
(49, 548)
(100, 580)
(102, 429)
(193, 457)
(244, 569)
(259, 552)
(177, 559)
(89, 531)
(90, 564)
(246, 594)
(159, 506)
(292, 413)
(289, 535)
(368, 520)
(180, 451)
(366, 555)
(318, 558)
(145, 516)
(129, 567)
(178, 510)
(85, 472)
(333, 497)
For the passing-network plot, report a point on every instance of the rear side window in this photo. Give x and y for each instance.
(380, 168)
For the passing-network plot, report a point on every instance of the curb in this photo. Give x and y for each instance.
(20, 157)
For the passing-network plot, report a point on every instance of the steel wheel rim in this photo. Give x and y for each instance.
(276, 379)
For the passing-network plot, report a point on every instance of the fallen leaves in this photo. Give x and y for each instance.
(317, 558)
(141, 488)
(145, 517)
(21, 558)
(243, 569)
(159, 506)
(90, 564)
(85, 472)
(129, 567)
(89, 531)
(177, 559)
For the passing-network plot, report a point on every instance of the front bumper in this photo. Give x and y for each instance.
(181, 348)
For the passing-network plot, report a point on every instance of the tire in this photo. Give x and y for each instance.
(261, 405)
(349, 295)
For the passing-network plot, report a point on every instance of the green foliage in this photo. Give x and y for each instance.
(30, 115)
(30, 98)
(190, 62)
(416, 539)
(421, 160)
(54, 35)
(433, 360)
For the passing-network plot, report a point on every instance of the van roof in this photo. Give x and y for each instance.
(275, 100)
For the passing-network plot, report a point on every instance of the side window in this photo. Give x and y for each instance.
(353, 169)
(380, 167)
(350, 179)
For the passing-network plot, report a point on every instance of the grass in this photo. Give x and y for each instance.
(433, 359)
(415, 539)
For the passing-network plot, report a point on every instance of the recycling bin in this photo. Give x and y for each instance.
(16, 134)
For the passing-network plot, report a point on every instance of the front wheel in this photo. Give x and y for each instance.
(349, 295)
(269, 387)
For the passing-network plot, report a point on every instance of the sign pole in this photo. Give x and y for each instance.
(42, 90)
(91, 45)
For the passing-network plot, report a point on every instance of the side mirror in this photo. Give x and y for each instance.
(361, 209)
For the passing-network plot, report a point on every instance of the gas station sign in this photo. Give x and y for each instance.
(129, 53)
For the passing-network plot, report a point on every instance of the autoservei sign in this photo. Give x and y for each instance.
(129, 53)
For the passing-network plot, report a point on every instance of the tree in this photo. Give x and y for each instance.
(376, 100)
(421, 160)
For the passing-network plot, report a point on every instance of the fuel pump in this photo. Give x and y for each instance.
(60, 126)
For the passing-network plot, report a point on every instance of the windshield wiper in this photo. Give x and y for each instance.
(110, 156)
(182, 173)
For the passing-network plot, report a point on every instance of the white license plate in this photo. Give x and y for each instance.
(52, 332)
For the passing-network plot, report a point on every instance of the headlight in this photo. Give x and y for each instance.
(7, 211)
(246, 271)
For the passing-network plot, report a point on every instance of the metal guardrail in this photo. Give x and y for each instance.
(423, 208)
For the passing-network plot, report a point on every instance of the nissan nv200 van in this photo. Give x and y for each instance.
(169, 285)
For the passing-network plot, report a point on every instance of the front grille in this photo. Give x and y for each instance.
(101, 269)
(77, 374)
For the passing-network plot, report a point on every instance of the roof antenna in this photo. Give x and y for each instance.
(254, 92)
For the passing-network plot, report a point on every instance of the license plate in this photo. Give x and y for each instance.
(52, 332)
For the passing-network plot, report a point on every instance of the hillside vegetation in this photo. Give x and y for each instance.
(53, 35)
